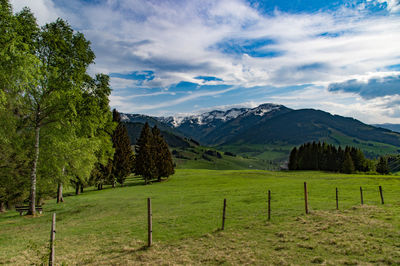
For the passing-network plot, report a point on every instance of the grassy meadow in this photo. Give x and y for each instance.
(109, 226)
(195, 158)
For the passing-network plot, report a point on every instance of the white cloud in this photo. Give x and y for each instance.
(392, 5)
(175, 39)
(123, 103)
(44, 10)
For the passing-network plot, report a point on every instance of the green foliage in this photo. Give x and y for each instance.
(347, 165)
(293, 163)
(162, 155)
(394, 163)
(153, 158)
(326, 157)
(382, 167)
(145, 164)
(123, 157)
(55, 119)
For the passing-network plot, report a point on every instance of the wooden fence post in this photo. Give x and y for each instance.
(381, 192)
(52, 238)
(269, 205)
(362, 198)
(337, 199)
(149, 223)
(306, 197)
(223, 215)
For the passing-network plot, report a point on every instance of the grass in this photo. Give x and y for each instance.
(195, 158)
(109, 226)
(274, 152)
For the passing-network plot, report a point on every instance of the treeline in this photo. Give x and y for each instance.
(56, 126)
(326, 157)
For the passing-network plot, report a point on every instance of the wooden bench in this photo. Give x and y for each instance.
(22, 209)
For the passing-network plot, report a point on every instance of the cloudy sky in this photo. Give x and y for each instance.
(182, 56)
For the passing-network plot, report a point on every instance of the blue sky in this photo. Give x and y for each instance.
(179, 57)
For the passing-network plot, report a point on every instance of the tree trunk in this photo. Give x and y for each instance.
(81, 188)
(60, 193)
(2, 206)
(113, 184)
(32, 197)
(77, 191)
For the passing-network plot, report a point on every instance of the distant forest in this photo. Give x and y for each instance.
(326, 157)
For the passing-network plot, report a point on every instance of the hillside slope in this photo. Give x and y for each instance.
(269, 131)
(299, 126)
(172, 139)
(393, 127)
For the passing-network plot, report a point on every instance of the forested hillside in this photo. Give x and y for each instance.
(270, 131)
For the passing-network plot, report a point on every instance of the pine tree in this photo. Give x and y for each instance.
(122, 162)
(162, 155)
(293, 159)
(382, 167)
(348, 165)
(145, 164)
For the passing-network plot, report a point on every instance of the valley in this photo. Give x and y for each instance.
(264, 134)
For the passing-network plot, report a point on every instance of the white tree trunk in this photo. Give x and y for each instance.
(32, 197)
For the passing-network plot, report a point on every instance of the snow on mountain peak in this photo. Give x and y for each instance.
(221, 115)
(263, 109)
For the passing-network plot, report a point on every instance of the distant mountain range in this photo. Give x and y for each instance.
(393, 127)
(272, 124)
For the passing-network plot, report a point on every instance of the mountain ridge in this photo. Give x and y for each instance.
(274, 124)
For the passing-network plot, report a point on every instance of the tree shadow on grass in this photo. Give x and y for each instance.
(118, 252)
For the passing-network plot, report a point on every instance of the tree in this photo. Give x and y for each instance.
(54, 118)
(100, 174)
(95, 125)
(16, 71)
(63, 58)
(145, 164)
(293, 159)
(123, 156)
(347, 166)
(162, 155)
(382, 167)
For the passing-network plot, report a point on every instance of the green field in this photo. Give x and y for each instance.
(195, 158)
(275, 152)
(109, 226)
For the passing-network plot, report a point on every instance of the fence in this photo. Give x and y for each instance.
(224, 217)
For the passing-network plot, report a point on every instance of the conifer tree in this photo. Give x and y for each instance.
(122, 162)
(382, 167)
(145, 164)
(348, 165)
(162, 155)
(293, 160)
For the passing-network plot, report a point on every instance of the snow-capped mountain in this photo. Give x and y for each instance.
(203, 118)
(212, 127)
(219, 115)
(266, 124)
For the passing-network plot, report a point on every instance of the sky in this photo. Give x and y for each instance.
(170, 57)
